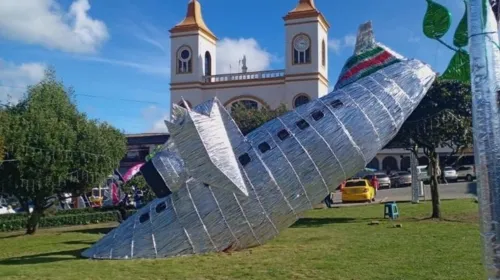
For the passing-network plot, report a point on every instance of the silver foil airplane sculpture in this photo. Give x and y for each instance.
(219, 190)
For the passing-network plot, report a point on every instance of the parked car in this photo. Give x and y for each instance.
(400, 179)
(422, 173)
(6, 209)
(467, 172)
(450, 174)
(383, 179)
(357, 191)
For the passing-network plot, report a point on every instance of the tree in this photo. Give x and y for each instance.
(139, 182)
(55, 149)
(249, 119)
(157, 149)
(3, 131)
(442, 119)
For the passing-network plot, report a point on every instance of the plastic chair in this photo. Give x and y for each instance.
(391, 210)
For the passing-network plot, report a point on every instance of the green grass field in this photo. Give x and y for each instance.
(325, 244)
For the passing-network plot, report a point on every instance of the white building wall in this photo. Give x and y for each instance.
(204, 46)
(323, 90)
(198, 45)
(315, 33)
(295, 88)
(193, 96)
(271, 95)
(175, 44)
(323, 37)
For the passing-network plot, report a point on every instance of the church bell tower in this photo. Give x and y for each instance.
(193, 56)
(306, 50)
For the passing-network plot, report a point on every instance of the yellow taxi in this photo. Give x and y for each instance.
(357, 190)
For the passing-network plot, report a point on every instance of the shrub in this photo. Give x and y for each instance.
(83, 216)
(76, 211)
(61, 220)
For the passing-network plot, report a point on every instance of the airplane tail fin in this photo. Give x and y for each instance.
(369, 56)
(204, 144)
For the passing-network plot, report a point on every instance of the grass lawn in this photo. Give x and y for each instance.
(325, 244)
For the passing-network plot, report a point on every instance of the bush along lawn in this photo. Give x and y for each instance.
(85, 216)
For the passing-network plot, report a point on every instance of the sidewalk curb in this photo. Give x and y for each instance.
(382, 201)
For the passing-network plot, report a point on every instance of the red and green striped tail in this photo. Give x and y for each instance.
(369, 57)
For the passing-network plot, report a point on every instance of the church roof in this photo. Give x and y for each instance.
(193, 21)
(306, 9)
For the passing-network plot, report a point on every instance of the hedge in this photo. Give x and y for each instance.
(76, 211)
(63, 220)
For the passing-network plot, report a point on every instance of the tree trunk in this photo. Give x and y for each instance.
(436, 202)
(34, 220)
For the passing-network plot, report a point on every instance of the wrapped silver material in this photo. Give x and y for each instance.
(239, 191)
(415, 182)
(485, 70)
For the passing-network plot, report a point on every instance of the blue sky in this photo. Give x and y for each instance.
(115, 53)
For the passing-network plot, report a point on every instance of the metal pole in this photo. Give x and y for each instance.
(485, 79)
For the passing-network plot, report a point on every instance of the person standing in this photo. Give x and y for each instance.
(375, 184)
(441, 174)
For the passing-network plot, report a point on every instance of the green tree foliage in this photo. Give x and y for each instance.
(249, 119)
(3, 131)
(55, 149)
(157, 149)
(139, 182)
(442, 119)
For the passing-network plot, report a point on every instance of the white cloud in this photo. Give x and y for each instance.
(150, 34)
(160, 68)
(42, 22)
(349, 40)
(231, 51)
(150, 56)
(14, 79)
(337, 45)
(334, 45)
(159, 126)
(157, 116)
(413, 39)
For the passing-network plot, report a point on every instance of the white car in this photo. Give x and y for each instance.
(467, 172)
(422, 174)
(4, 209)
(450, 174)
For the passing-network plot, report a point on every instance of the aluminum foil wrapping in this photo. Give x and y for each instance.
(485, 70)
(242, 191)
(415, 182)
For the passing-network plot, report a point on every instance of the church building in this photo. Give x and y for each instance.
(305, 77)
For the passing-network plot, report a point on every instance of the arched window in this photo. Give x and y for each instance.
(301, 49)
(300, 99)
(184, 60)
(323, 53)
(208, 64)
(247, 103)
(405, 163)
(389, 163)
(423, 161)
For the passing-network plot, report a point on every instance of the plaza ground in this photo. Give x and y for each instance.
(325, 244)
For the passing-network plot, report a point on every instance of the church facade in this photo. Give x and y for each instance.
(305, 77)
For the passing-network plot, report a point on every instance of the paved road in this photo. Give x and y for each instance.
(450, 191)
